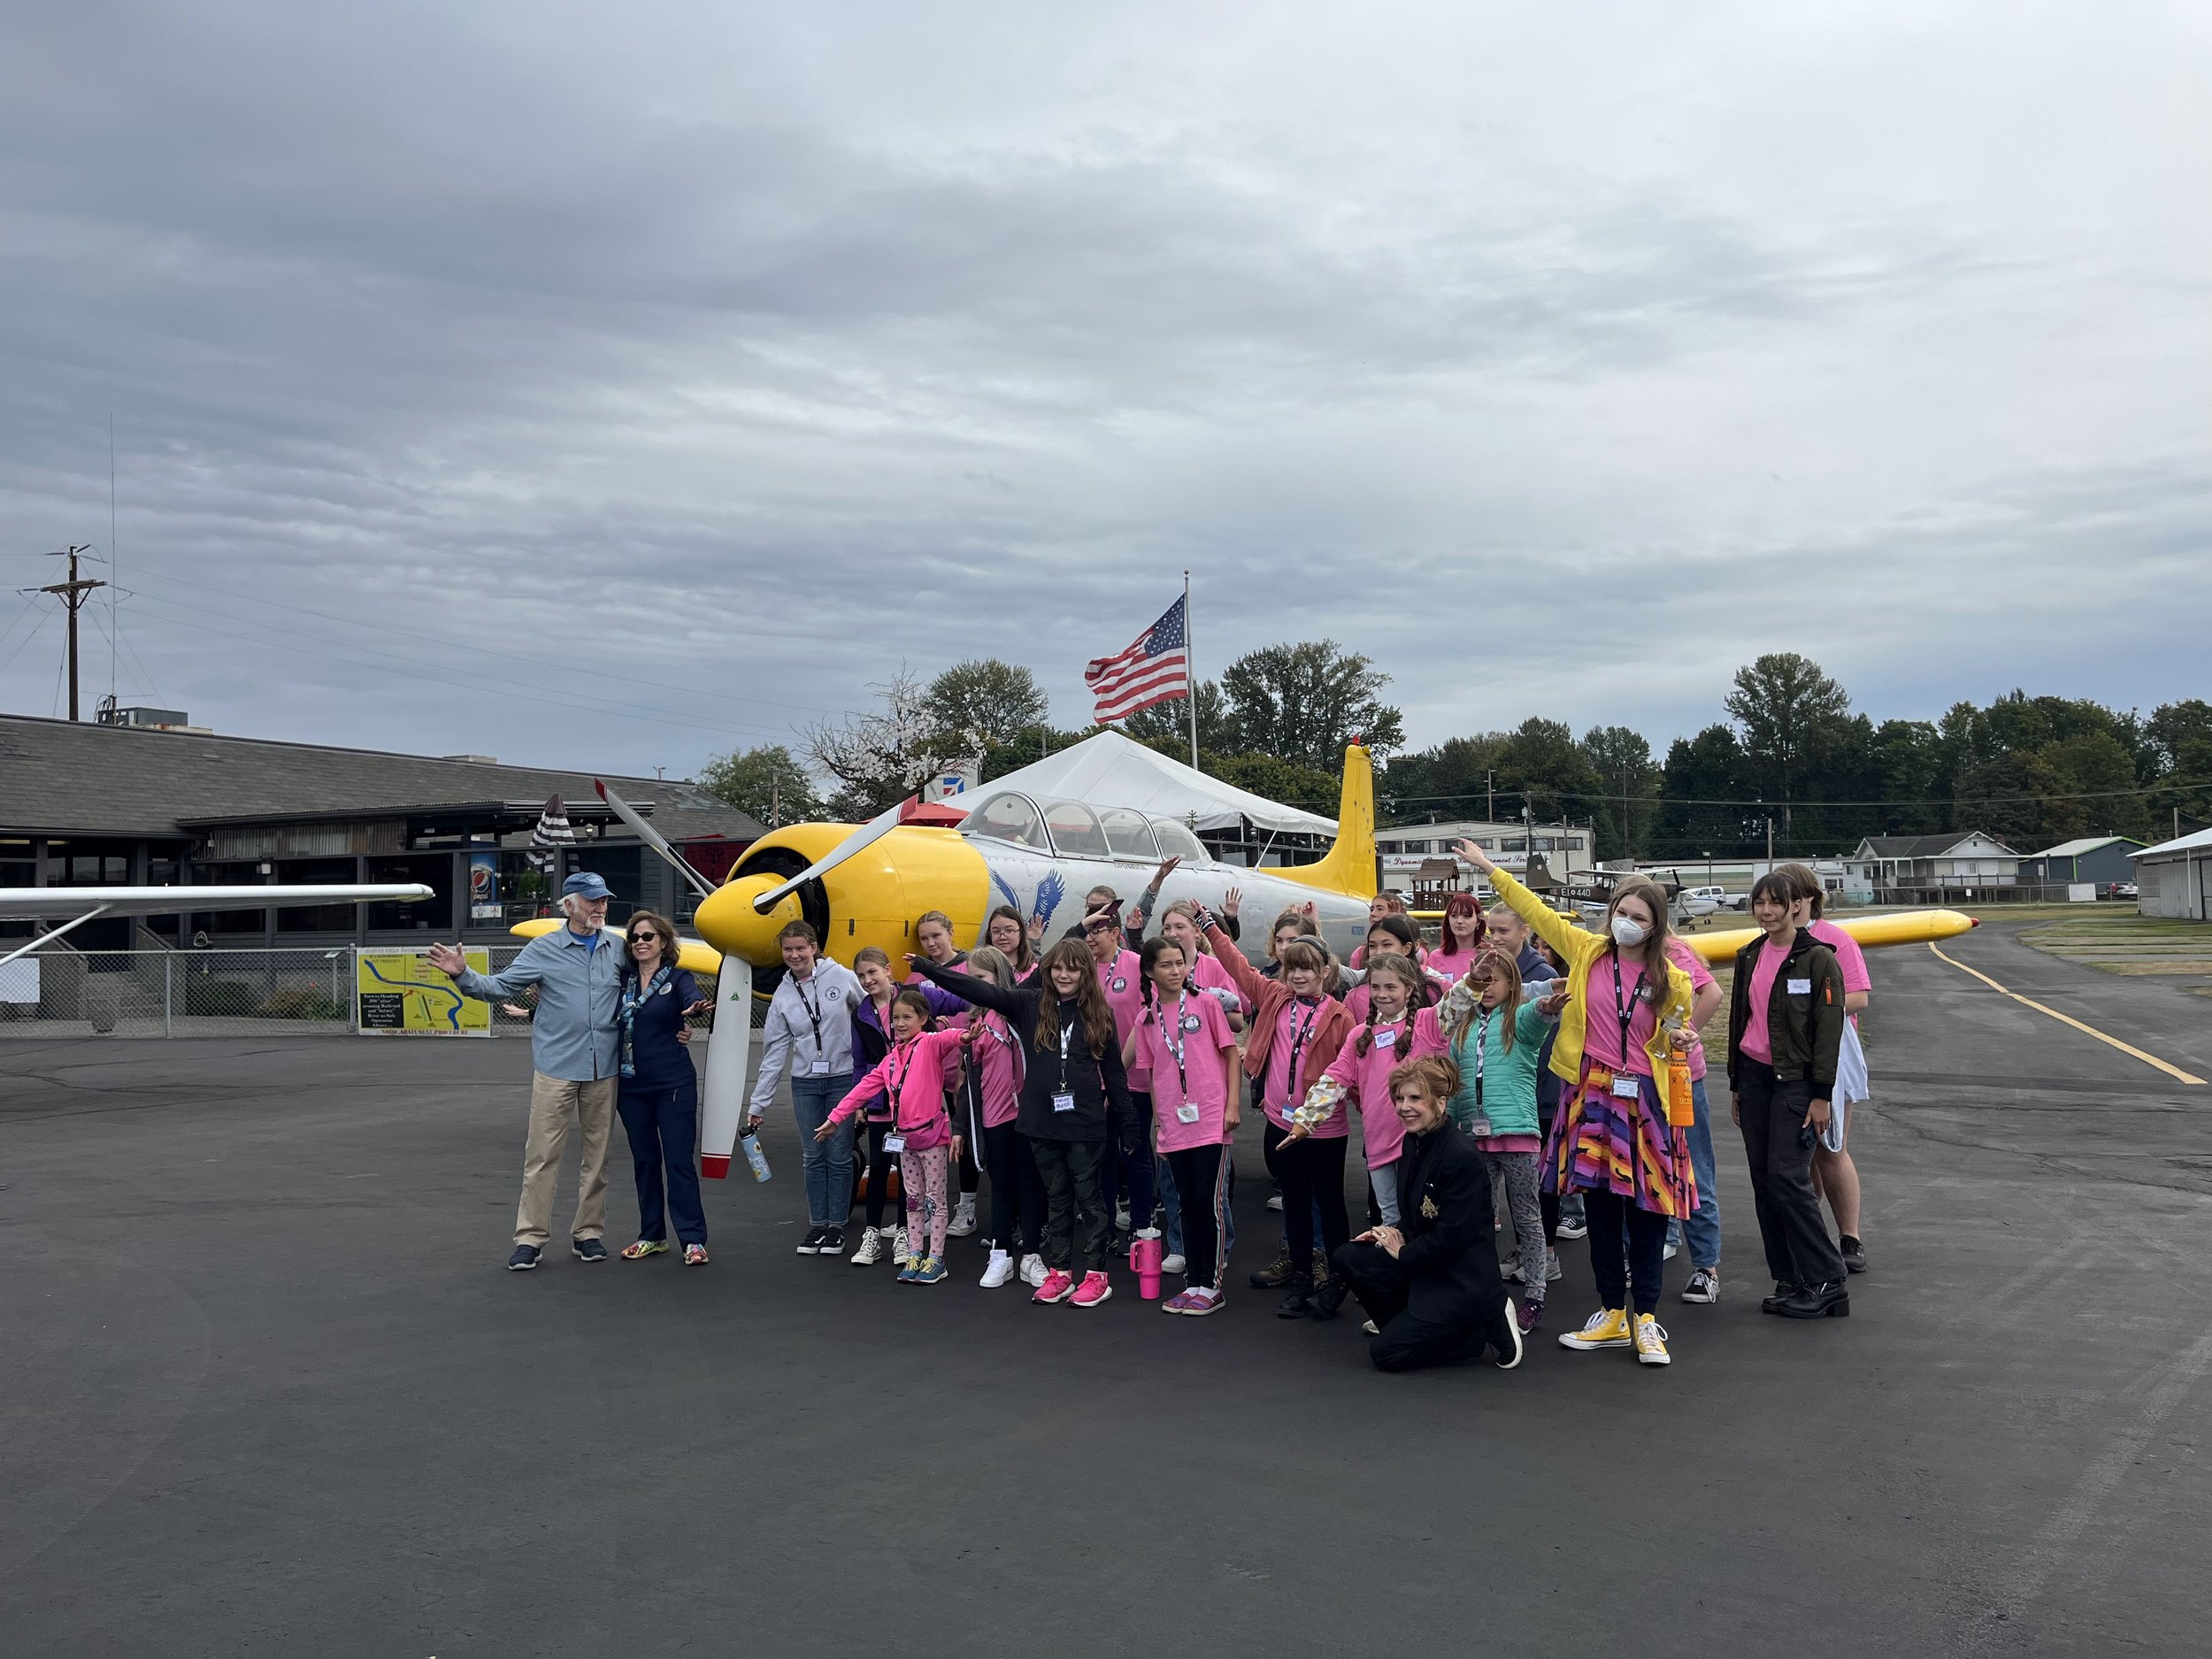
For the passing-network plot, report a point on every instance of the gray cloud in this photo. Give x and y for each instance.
(724, 362)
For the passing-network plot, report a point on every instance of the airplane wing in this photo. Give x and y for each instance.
(74, 907)
(18, 904)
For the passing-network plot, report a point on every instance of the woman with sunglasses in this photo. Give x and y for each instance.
(658, 1099)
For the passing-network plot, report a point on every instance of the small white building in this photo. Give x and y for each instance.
(1934, 869)
(2174, 879)
(1564, 848)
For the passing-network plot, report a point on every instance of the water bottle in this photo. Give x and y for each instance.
(755, 1157)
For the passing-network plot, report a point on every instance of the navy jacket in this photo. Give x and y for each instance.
(661, 1061)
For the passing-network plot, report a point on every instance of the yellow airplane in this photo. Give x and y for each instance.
(866, 884)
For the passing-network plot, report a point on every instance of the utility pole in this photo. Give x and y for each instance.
(1770, 842)
(73, 594)
(1490, 794)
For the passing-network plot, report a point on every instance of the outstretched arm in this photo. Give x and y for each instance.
(966, 987)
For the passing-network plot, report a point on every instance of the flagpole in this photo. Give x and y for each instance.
(1190, 671)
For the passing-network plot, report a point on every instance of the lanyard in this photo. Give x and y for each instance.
(1625, 1008)
(630, 1002)
(1299, 1033)
(1482, 1042)
(1067, 1032)
(1174, 1045)
(813, 1011)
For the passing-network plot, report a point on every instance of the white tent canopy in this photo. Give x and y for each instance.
(1111, 770)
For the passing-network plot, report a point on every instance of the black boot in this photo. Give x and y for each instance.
(1328, 1296)
(1297, 1297)
(1783, 1292)
(1831, 1300)
(1275, 1275)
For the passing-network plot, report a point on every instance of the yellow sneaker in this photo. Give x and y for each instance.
(1651, 1341)
(1607, 1328)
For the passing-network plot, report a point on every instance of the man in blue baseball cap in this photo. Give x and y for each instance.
(574, 1050)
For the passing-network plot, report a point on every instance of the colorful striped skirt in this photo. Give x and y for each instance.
(1603, 1143)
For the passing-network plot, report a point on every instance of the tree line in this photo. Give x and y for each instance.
(2032, 770)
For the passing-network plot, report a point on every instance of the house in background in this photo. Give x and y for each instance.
(2099, 861)
(1934, 869)
(2174, 879)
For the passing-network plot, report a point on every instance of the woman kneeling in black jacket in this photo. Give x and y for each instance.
(1074, 1094)
(1431, 1284)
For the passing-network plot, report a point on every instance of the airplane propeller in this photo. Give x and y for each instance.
(874, 831)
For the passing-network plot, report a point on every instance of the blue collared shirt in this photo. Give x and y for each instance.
(574, 1036)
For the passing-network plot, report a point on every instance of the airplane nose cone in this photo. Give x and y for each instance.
(727, 920)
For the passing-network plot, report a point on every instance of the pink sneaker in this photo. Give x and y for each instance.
(1058, 1287)
(1094, 1290)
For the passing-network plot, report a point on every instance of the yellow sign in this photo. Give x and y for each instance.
(398, 992)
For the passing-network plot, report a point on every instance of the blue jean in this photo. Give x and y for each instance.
(663, 1124)
(829, 1164)
(1703, 1226)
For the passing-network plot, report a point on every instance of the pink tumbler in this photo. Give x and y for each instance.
(1145, 1256)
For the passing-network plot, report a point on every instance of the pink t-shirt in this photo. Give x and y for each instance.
(1118, 978)
(1366, 1080)
(1282, 1090)
(1201, 1026)
(1700, 976)
(1849, 957)
(1756, 1043)
(1450, 966)
(1601, 1024)
(999, 1056)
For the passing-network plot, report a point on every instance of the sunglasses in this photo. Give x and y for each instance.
(645, 936)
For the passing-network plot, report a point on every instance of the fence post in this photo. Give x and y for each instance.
(353, 995)
(168, 977)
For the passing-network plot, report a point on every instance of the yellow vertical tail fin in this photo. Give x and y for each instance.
(1349, 867)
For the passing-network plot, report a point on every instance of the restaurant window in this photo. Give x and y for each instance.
(434, 914)
(316, 919)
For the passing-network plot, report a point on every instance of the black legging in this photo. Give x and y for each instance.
(1017, 1195)
(1311, 1171)
(967, 1119)
(1203, 1175)
(879, 1166)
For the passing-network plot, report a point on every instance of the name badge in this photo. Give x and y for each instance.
(1063, 1103)
(1479, 1127)
(895, 1143)
(1186, 1113)
(1624, 1087)
(820, 1068)
(1386, 1039)
(1799, 988)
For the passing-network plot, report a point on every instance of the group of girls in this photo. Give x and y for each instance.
(1095, 1068)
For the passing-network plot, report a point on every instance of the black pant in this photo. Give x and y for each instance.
(1018, 1197)
(1799, 1250)
(1617, 1226)
(663, 1124)
(1201, 1187)
(1311, 1171)
(1406, 1342)
(879, 1166)
(1076, 1220)
(967, 1123)
(1129, 1174)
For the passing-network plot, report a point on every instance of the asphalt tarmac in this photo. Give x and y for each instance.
(264, 1389)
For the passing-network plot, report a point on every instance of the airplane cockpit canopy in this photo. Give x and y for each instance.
(1070, 829)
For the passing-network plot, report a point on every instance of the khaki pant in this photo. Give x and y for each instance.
(552, 1101)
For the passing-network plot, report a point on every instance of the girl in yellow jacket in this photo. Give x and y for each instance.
(1612, 1141)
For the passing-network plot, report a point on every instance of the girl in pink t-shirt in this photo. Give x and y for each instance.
(1182, 1036)
(1465, 929)
(1835, 1175)
(1396, 993)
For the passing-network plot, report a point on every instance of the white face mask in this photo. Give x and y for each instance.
(1628, 932)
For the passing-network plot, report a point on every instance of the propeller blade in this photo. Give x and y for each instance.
(722, 1096)
(874, 831)
(654, 839)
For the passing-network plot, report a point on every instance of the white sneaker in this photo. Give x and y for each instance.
(1033, 1269)
(1121, 1217)
(1173, 1264)
(871, 1250)
(999, 1271)
(1553, 1272)
(963, 1222)
(1275, 1203)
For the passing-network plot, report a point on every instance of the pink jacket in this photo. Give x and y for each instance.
(999, 1053)
(915, 1075)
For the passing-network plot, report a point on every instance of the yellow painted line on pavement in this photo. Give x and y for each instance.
(2173, 1071)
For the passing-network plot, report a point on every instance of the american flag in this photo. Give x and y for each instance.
(1155, 668)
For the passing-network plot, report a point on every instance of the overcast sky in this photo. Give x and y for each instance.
(707, 360)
